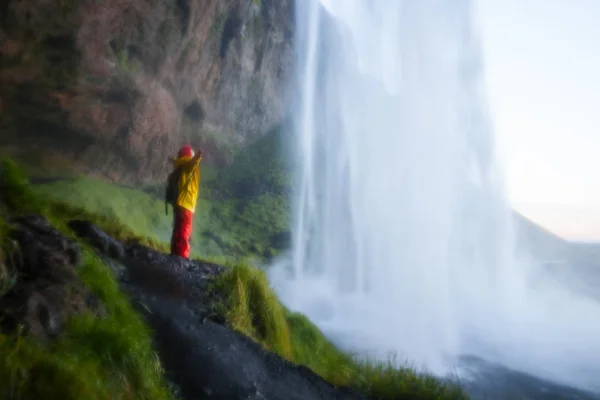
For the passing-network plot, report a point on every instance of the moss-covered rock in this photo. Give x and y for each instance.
(66, 331)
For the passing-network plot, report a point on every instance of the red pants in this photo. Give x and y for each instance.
(182, 230)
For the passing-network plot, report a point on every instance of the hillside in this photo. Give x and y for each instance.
(551, 248)
(538, 240)
(86, 314)
(575, 265)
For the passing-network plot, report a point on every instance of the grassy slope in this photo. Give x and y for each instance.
(142, 213)
(139, 211)
(242, 210)
(94, 358)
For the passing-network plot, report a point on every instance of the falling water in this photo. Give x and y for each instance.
(403, 237)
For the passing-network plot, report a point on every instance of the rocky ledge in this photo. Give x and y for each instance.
(202, 356)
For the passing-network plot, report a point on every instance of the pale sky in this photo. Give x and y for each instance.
(542, 62)
(542, 71)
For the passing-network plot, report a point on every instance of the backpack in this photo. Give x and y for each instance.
(172, 190)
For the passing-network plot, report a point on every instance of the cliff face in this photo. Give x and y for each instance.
(114, 87)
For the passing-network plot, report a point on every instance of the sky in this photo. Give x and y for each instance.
(542, 72)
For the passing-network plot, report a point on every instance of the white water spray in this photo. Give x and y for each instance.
(403, 237)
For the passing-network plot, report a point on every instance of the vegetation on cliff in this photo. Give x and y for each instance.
(107, 356)
(242, 210)
(111, 356)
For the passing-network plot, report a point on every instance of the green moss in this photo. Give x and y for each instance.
(252, 214)
(16, 195)
(143, 214)
(250, 226)
(20, 198)
(94, 358)
(251, 307)
(229, 220)
(125, 212)
(260, 168)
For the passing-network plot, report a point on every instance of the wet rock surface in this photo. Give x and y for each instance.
(492, 381)
(46, 289)
(208, 360)
(203, 357)
(99, 239)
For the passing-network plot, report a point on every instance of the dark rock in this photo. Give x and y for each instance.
(171, 276)
(213, 360)
(36, 234)
(156, 279)
(98, 238)
(47, 290)
(203, 357)
(124, 83)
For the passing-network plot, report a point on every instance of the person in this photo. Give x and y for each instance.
(182, 194)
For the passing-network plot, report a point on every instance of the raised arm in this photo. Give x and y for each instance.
(197, 157)
(192, 162)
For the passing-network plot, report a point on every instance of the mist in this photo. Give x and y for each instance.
(404, 240)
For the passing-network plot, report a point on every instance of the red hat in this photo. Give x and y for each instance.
(185, 151)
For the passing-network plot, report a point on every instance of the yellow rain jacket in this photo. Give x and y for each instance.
(189, 181)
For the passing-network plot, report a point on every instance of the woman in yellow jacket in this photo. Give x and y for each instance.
(182, 193)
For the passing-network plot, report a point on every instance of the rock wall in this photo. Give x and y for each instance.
(114, 87)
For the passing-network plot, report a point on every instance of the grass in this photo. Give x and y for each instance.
(242, 210)
(236, 214)
(111, 358)
(244, 227)
(18, 197)
(262, 167)
(140, 212)
(251, 307)
(94, 357)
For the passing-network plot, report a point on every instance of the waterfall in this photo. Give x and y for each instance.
(403, 237)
